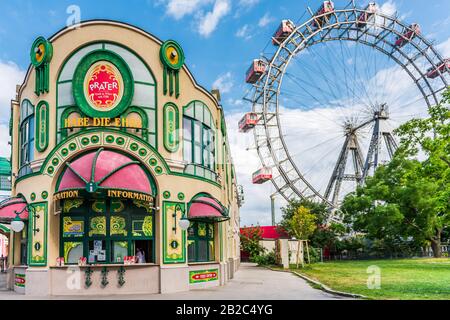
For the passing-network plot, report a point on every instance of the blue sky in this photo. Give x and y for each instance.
(219, 37)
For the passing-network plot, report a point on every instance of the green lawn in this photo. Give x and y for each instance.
(400, 278)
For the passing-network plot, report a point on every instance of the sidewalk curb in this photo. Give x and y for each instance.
(322, 286)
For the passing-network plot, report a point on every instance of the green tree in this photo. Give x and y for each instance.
(303, 223)
(409, 197)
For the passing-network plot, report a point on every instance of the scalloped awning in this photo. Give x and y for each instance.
(207, 208)
(11, 206)
(105, 170)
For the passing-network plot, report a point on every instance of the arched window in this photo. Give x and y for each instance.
(136, 121)
(144, 88)
(26, 137)
(199, 138)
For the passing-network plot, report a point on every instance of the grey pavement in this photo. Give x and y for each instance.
(250, 282)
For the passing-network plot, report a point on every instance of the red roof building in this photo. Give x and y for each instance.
(269, 232)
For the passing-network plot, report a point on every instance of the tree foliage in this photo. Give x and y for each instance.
(409, 197)
(303, 223)
(250, 242)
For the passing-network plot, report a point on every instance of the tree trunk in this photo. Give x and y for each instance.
(436, 245)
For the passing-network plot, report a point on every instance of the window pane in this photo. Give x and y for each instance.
(187, 129)
(144, 96)
(191, 251)
(198, 154)
(97, 251)
(119, 249)
(199, 111)
(73, 227)
(187, 151)
(138, 69)
(197, 132)
(202, 250)
(211, 251)
(73, 251)
(65, 96)
(189, 111)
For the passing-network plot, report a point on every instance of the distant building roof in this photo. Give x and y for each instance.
(5, 167)
(270, 232)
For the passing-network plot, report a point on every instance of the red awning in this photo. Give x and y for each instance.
(203, 208)
(11, 206)
(106, 170)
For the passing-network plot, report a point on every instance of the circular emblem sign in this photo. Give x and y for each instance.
(103, 86)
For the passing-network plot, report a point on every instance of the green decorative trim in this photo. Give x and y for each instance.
(166, 194)
(37, 259)
(97, 226)
(87, 275)
(180, 196)
(33, 196)
(171, 69)
(70, 204)
(79, 77)
(121, 276)
(4, 229)
(147, 226)
(47, 55)
(104, 274)
(42, 126)
(165, 60)
(171, 127)
(143, 204)
(44, 195)
(42, 65)
(117, 226)
(167, 258)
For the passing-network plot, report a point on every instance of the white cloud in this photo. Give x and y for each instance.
(5, 149)
(10, 76)
(224, 83)
(208, 22)
(248, 3)
(444, 48)
(180, 8)
(389, 8)
(265, 20)
(244, 32)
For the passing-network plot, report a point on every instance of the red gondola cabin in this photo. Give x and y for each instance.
(248, 121)
(262, 175)
(326, 7)
(284, 30)
(365, 16)
(255, 71)
(412, 31)
(442, 68)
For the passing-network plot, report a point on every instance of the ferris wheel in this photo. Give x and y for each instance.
(328, 92)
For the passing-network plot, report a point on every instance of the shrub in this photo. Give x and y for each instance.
(265, 259)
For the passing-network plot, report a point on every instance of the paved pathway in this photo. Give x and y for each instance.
(250, 282)
(2, 281)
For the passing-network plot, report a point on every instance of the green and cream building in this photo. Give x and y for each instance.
(117, 152)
